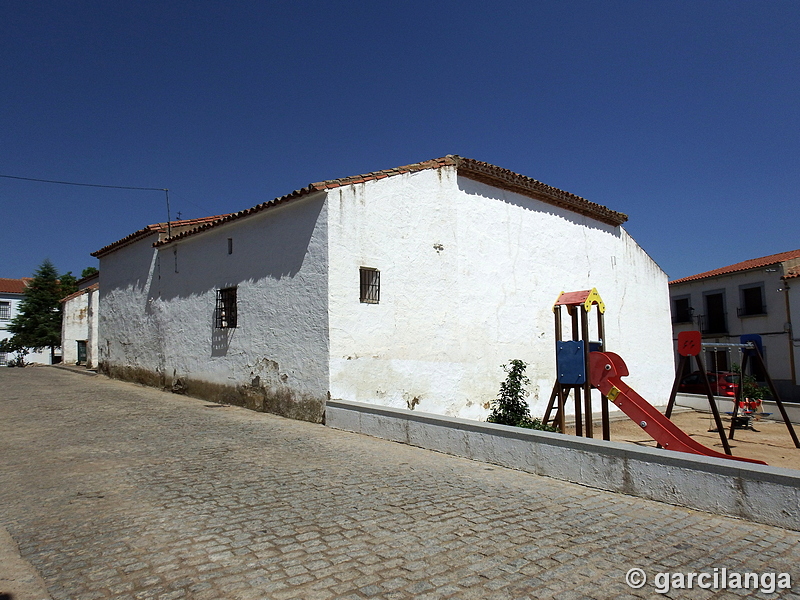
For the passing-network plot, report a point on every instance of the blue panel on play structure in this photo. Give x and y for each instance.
(571, 363)
(756, 339)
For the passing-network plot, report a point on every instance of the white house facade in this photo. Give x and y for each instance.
(757, 296)
(79, 324)
(11, 293)
(408, 287)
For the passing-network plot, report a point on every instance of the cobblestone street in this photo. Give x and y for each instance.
(112, 490)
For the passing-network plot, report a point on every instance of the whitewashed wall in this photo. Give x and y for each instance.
(128, 334)
(469, 275)
(74, 326)
(93, 318)
(276, 359)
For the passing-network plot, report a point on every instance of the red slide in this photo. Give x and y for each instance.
(607, 370)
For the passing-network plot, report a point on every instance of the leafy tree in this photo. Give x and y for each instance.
(510, 407)
(69, 284)
(89, 271)
(37, 325)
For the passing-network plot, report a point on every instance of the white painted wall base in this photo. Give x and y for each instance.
(763, 494)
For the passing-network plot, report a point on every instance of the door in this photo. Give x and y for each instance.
(81, 352)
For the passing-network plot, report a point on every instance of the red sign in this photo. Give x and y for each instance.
(689, 343)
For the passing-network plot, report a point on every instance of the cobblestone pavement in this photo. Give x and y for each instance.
(112, 490)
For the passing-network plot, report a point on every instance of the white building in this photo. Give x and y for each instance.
(757, 296)
(79, 325)
(408, 287)
(11, 293)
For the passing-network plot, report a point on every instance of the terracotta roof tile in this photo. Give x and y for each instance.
(753, 263)
(473, 169)
(14, 286)
(149, 230)
(86, 290)
(792, 273)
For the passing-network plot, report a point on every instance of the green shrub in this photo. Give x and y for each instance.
(510, 407)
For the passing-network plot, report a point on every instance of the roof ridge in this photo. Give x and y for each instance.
(474, 169)
(76, 293)
(744, 265)
(150, 229)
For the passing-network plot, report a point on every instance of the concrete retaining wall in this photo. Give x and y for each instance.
(758, 493)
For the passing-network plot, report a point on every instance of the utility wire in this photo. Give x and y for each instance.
(97, 185)
(117, 187)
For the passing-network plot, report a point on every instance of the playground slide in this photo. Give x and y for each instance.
(606, 372)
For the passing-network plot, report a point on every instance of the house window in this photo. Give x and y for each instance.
(370, 285)
(5, 311)
(3, 359)
(681, 310)
(715, 320)
(752, 300)
(230, 245)
(225, 313)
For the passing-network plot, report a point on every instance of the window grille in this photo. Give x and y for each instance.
(3, 359)
(5, 311)
(370, 285)
(225, 314)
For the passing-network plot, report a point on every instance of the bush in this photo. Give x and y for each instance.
(510, 407)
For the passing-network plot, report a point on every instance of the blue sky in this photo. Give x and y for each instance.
(684, 115)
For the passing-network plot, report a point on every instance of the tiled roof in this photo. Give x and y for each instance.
(792, 273)
(86, 290)
(13, 286)
(151, 229)
(753, 263)
(467, 167)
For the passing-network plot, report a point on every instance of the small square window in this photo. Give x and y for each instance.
(370, 285)
(225, 313)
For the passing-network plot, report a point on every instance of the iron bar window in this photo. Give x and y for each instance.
(225, 313)
(370, 285)
(5, 311)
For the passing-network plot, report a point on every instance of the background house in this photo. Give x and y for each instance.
(11, 294)
(760, 296)
(408, 287)
(79, 325)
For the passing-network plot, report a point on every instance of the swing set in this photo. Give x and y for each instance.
(583, 365)
(690, 345)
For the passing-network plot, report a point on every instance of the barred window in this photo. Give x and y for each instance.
(5, 311)
(370, 285)
(225, 313)
(3, 359)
